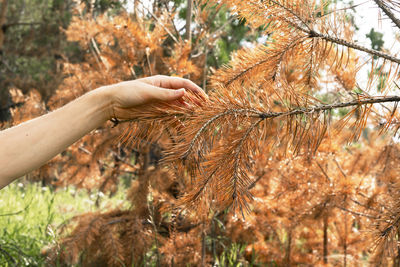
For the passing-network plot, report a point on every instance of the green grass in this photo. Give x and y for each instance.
(30, 215)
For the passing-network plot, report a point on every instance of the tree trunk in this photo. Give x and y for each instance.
(203, 247)
(345, 241)
(189, 12)
(326, 239)
(5, 100)
(288, 248)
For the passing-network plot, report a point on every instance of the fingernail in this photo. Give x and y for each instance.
(180, 92)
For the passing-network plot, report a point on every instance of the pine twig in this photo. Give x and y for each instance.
(314, 34)
(388, 12)
(216, 117)
(298, 111)
(237, 157)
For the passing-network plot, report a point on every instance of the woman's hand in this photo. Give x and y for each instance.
(29, 145)
(126, 95)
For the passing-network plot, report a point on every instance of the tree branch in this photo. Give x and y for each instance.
(237, 157)
(298, 111)
(314, 34)
(211, 120)
(388, 12)
(357, 213)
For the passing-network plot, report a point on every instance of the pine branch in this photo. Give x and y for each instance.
(237, 159)
(314, 34)
(295, 15)
(216, 117)
(172, 21)
(388, 12)
(366, 101)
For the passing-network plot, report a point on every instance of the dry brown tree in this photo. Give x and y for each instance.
(315, 177)
(266, 103)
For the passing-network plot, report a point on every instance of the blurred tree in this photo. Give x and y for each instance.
(376, 39)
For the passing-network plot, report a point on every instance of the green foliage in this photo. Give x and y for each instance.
(101, 6)
(233, 32)
(34, 43)
(30, 216)
(376, 39)
(232, 256)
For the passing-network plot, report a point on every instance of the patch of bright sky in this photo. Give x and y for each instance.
(368, 16)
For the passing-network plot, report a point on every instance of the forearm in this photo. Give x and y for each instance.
(29, 145)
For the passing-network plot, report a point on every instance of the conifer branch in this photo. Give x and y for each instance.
(237, 157)
(216, 117)
(230, 81)
(204, 184)
(295, 15)
(314, 34)
(394, 225)
(281, 54)
(298, 111)
(388, 12)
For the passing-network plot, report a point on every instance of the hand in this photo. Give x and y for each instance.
(130, 94)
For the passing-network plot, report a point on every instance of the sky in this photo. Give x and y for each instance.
(367, 17)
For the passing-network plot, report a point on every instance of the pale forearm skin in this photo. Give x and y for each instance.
(29, 145)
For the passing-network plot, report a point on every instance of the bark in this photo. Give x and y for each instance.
(189, 20)
(326, 239)
(388, 12)
(203, 247)
(5, 100)
(288, 248)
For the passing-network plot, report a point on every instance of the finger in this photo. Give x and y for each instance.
(183, 103)
(177, 83)
(154, 93)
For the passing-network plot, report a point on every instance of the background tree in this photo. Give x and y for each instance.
(289, 138)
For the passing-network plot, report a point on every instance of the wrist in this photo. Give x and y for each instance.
(102, 99)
